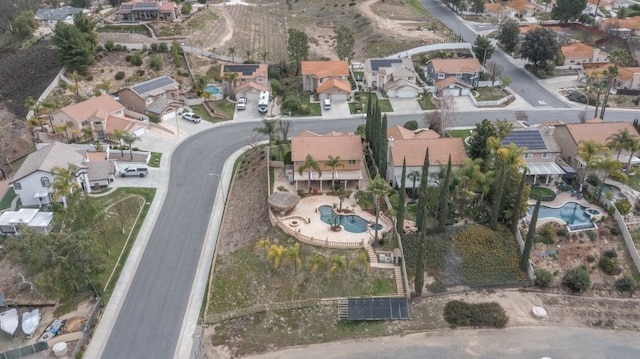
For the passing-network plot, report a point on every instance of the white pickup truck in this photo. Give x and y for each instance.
(242, 103)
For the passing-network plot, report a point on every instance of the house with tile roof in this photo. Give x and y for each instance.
(102, 114)
(157, 97)
(570, 135)
(33, 181)
(624, 28)
(251, 79)
(50, 17)
(147, 10)
(348, 146)
(453, 77)
(541, 152)
(397, 77)
(523, 8)
(403, 145)
(628, 77)
(316, 73)
(577, 53)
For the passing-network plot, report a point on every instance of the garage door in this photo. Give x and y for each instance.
(338, 97)
(169, 116)
(139, 132)
(451, 92)
(407, 94)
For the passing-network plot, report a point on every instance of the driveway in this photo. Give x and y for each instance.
(403, 106)
(339, 110)
(249, 114)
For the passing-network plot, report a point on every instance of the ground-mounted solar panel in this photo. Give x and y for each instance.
(377, 64)
(152, 84)
(390, 308)
(531, 139)
(245, 69)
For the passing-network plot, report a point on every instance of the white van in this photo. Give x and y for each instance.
(129, 171)
(326, 104)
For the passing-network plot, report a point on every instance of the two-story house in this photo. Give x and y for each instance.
(50, 17)
(156, 97)
(329, 79)
(453, 77)
(397, 77)
(570, 135)
(541, 152)
(250, 80)
(101, 114)
(578, 53)
(347, 146)
(147, 10)
(628, 77)
(405, 145)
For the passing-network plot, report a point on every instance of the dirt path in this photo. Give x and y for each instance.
(228, 30)
(404, 28)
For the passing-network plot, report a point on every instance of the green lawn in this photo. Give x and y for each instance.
(426, 103)
(8, 198)
(314, 108)
(224, 107)
(546, 194)
(489, 93)
(154, 161)
(200, 111)
(634, 182)
(385, 105)
(459, 133)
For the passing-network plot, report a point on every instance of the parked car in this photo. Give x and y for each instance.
(242, 103)
(190, 116)
(129, 171)
(326, 103)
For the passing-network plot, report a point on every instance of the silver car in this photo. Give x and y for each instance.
(190, 116)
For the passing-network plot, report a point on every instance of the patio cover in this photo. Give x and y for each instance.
(544, 168)
(283, 201)
(327, 175)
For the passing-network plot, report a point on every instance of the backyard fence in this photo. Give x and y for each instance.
(405, 279)
(24, 351)
(520, 242)
(87, 328)
(633, 251)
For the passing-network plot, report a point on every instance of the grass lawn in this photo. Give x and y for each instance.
(8, 198)
(489, 94)
(426, 103)
(223, 107)
(200, 111)
(461, 134)
(634, 182)
(542, 192)
(154, 161)
(385, 105)
(314, 108)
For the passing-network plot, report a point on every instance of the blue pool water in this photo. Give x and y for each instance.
(613, 189)
(351, 223)
(212, 89)
(574, 214)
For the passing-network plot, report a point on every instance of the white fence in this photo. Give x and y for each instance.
(429, 48)
(520, 242)
(492, 103)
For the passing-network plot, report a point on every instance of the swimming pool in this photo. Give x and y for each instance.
(574, 214)
(615, 191)
(350, 222)
(213, 89)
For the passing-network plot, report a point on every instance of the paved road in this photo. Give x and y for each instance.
(525, 84)
(522, 343)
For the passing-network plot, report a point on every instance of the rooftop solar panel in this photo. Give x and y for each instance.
(246, 70)
(145, 5)
(392, 308)
(152, 84)
(531, 139)
(377, 64)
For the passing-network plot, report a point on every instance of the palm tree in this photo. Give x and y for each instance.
(378, 188)
(607, 165)
(75, 76)
(292, 255)
(618, 58)
(199, 85)
(263, 56)
(129, 139)
(308, 165)
(64, 183)
(317, 261)
(338, 264)
(633, 146)
(264, 243)
(413, 175)
(595, 84)
(619, 141)
(34, 123)
(334, 162)
(87, 133)
(249, 56)
(268, 129)
(362, 261)
(230, 79)
(588, 152)
(232, 52)
(503, 127)
(275, 254)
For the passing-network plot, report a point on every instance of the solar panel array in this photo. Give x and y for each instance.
(531, 139)
(377, 64)
(145, 5)
(246, 70)
(392, 308)
(152, 84)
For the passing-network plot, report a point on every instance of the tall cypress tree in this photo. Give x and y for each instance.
(383, 148)
(401, 198)
(497, 201)
(422, 248)
(369, 123)
(443, 202)
(422, 192)
(528, 243)
(517, 207)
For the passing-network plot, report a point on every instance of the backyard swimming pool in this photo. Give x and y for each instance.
(350, 222)
(213, 89)
(576, 216)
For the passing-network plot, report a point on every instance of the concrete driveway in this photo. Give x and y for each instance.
(339, 110)
(249, 114)
(405, 106)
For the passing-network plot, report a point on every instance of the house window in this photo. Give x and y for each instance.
(458, 76)
(260, 80)
(17, 186)
(45, 182)
(546, 155)
(411, 78)
(352, 162)
(572, 62)
(528, 156)
(85, 123)
(149, 100)
(440, 76)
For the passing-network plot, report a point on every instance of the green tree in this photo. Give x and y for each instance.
(478, 148)
(597, 86)
(74, 50)
(297, 48)
(422, 194)
(606, 165)
(337, 264)
(633, 147)
(619, 141)
(478, 6)
(129, 139)
(308, 165)
(508, 34)
(528, 243)
(539, 46)
(344, 43)
(361, 261)
(269, 129)
(275, 254)
(382, 147)
(24, 25)
(414, 175)
(568, 10)
(497, 201)
(518, 206)
(316, 262)
(378, 188)
(588, 152)
(232, 52)
(186, 8)
(420, 264)
(443, 203)
(483, 49)
(263, 56)
(577, 279)
(334, 162)
(619, 58)
(292, 255)
(64, 184)
(155, 63)
(401, 199)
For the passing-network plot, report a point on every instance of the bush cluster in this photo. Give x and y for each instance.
(577, 279)
(543, 278)
(458, 314)
(626, 284)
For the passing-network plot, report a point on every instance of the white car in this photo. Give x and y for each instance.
(242, 103)
(190, 116)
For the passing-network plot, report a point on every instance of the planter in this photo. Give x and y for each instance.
(294, 224)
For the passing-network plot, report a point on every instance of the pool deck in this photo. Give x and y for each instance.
(562, 198)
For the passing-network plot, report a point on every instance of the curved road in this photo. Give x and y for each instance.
(149, 322)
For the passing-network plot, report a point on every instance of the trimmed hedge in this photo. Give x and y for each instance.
(460, 314)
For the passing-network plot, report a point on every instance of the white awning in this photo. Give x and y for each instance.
(544, 168)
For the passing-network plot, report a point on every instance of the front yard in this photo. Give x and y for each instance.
(489, 93)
